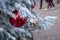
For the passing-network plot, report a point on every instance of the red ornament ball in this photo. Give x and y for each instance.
(33, 5)
(17, 22)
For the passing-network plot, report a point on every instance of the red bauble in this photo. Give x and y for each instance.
(33, 5)
(17, 22)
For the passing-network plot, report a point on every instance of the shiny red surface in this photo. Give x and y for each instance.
(17, 22)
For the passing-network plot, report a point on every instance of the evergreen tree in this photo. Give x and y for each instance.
(17, 20)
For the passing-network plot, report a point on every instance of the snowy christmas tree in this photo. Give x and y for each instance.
(17, 20)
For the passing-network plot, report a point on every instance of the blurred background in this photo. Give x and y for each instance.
(54, 32)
